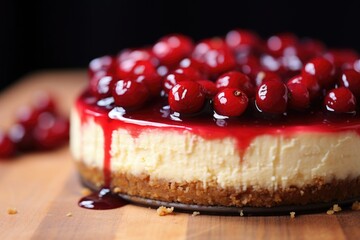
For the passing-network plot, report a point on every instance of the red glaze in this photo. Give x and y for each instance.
(231, 102)
(171, 49)
(340, 100)
(156, 116)
(234, 79)
(322, 69)
(272, 97)
(186, 97)
(351, 79)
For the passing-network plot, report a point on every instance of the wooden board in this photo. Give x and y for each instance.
(44, 188)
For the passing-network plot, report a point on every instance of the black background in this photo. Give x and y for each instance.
(37, 35)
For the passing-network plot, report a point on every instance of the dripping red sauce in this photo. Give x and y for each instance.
(156, 116)
(101, 200)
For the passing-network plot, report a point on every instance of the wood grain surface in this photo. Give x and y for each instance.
(44, 188)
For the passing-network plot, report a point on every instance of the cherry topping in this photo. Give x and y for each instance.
(310, 82)
(104, 63)
(21, 137)
(322, 69)
(101, 84)
(341, 58)
(351, 79)
(239, 39)
(272, 97)
(299, 97)
(7, 147)
(186, 97)
(130, 94)
(171, 49)
(145, 71)
(237, 80)
(280, 43)
(230, 102)
(266, 76)
(179, 75)
(209, 88)
(340, 100)
(127, 60)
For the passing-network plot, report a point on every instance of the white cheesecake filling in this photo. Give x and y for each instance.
(270, 161)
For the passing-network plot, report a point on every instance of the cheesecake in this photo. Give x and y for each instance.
(230, 122)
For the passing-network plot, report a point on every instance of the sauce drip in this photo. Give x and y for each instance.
(101, 200)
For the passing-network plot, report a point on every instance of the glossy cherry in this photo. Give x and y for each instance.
(239, 39)
(310, 82)
(235, 79)
(230, 102)
(179, 75)
(272, 97)
(351, 79)
(127, 60)
(266, 76)
(104, 63)
(186, 97)
(171, 49)
(130, 94)
(101, 84)
(278, 44)
(299, 97)
(322, 69)
(209, 88)
(340, 100)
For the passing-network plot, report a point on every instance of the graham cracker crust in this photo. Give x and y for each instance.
(212, 195)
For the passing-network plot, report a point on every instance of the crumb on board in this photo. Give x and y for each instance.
(85, 191)
(292, 214)
(241, 213)
(69, 214)
(162, 211)
(12, 211)
(330, 212)
(195, 213)
(336, 208)
(355, 206)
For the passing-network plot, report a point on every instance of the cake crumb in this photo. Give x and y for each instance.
(195, 213)
(85, 191)
(12, 211)
(292, 214)
(162, 211)
(241, 213)
(69, 214)
(336, 208)
(330, 212)
(116, 190)
(355, 206)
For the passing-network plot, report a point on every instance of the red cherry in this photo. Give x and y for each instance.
(299, 97)
(239, 39)
(129, 94)
(43, 102)
(356, 65)
(214, 56)
(230, 102)
(27, 117)
(272, 97)
(171, 49)
(340, 100)
(51, 132)
(266, 76)
(322, 69)
(310, 82)
(342, 58)
(186, 97)
(310, 48)
(234, 79)
(250, 65)
(278, 44)
(7, 147)
(209, 88)
(104, 63)
(127, 60)
(101, 84)
(21, 137)
(179, 75)
(190, 63)
(351, 79)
